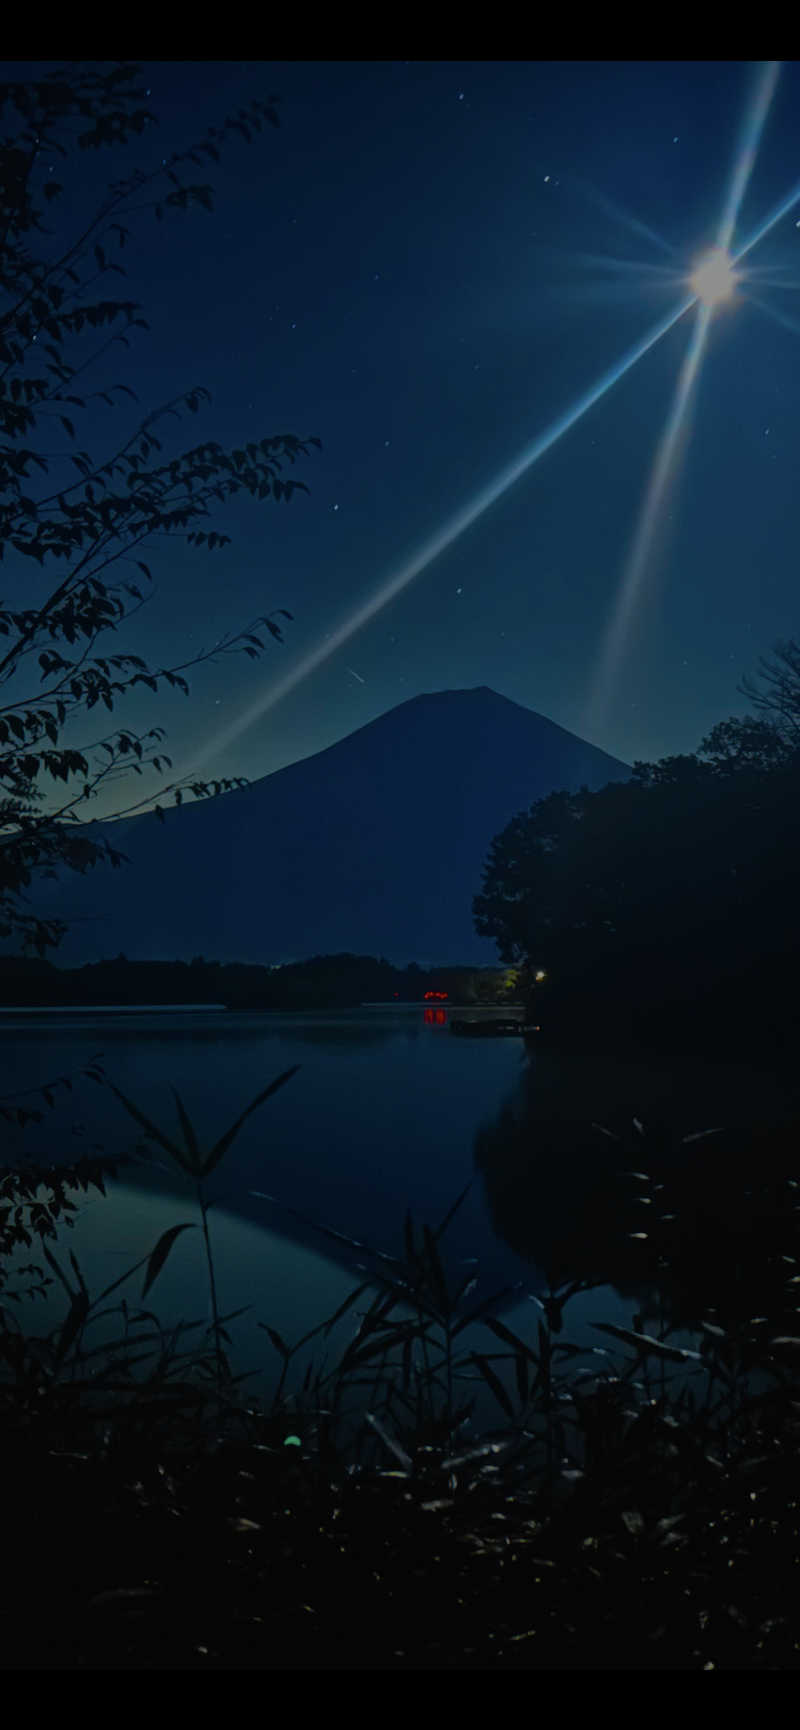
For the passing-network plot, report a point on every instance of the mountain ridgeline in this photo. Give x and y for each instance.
(374, 845)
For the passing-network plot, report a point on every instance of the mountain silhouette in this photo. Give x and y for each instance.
(374, 845)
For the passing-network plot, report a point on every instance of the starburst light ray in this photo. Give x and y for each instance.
(752, 129)
(786, 205)
(618, 212)
(764, 270)
(713, 282)
(631, 266)
(781, 318)
(771, 282)
(629, 593)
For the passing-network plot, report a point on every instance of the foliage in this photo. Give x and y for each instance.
(745, 742)
(775, 691)
(117, 507)
(197, 1165)
(649, 895)
(32, 1202)
(39, 1366)
(635, 1506)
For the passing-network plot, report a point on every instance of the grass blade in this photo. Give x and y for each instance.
(436, 1270)
(152, 1128)
(645, 1343)
(78, 1311)
(393, 1446)
(479, 1313)
(332, 1320)
(192, 1144)
(159, 1254)
(493, 1381)
(511, 1339)
(453, 1210)
(279, 1343)
(224, 1142)
(49, 1257)
(81, 1281)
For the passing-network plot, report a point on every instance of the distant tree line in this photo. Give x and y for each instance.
(665, 908)
(321, 982)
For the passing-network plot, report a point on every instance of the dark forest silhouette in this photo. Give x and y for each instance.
(663, 911)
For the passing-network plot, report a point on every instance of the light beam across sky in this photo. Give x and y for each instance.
(773, 312)
(752, 129)
(619, 214)
(786, 205)
(437, 544)
(713, 282)
(617, 633)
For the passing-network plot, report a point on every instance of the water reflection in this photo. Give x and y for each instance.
(390, 1112)
(565, 1170)
(381, 1116)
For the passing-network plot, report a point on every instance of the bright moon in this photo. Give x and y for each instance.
(713, 279)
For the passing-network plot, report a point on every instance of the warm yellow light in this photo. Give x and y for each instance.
(540, 974)
(714, 279)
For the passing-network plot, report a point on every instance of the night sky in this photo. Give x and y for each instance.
(427, 266)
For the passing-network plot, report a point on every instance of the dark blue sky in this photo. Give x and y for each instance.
(409, 269)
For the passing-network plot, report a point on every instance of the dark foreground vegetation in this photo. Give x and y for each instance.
(662, 911)
(635, 1507)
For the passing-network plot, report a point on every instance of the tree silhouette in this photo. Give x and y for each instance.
(111, 510)
(664, 904)
(775, 690)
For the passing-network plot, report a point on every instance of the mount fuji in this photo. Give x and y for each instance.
(374, 845)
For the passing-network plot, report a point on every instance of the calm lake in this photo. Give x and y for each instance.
(388, 1111)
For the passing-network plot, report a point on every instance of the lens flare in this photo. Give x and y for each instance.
(714, 278)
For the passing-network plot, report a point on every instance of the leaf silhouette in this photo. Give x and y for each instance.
(279, 1343)
(189, 1136)
(495, 1384)
(344, 1307)
(49, 1257)
(436, 1270)
(81, 1281)
(78, 1311)
(453, 1210)
(645, 1343)
(160, 1253)
(505, 1333)
(224, 1142)
(152, 1129)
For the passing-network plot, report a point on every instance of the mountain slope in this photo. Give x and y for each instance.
(374, 845)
